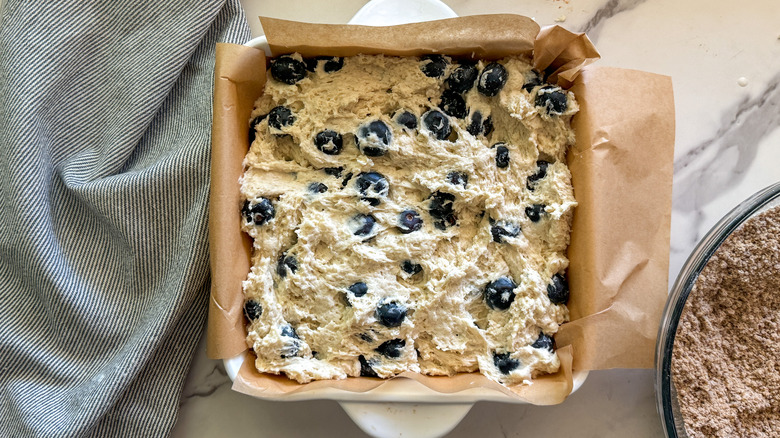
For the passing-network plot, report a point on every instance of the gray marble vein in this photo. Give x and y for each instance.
(609, 10)
(206, 383)
(723, 159)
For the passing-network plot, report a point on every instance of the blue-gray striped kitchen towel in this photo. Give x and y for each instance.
(105, 121)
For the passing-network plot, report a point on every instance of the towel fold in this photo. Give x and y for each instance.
(105, 122)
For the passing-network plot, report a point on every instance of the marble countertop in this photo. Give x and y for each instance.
(724, 59)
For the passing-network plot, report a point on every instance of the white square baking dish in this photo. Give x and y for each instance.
(400, 407)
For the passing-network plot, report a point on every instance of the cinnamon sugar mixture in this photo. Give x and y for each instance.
(726, 360)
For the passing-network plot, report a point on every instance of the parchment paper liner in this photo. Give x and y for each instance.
(621, 171)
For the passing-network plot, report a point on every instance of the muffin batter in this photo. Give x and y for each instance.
(408, 214)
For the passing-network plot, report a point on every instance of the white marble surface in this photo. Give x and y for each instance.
(724, 58)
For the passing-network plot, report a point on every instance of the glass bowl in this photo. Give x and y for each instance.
(666, 394)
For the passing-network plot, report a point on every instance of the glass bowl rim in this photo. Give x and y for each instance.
(757, 203)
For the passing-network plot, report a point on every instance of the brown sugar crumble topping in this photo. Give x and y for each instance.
(726, 359)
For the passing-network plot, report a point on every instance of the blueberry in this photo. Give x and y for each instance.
(292, 343)
(289, 331)
(502, 155)
(502, 229)
(409, 221)
(406, 119)
(544, 342)
(373, 186)
(311, 63)
(363, 224)
(332, 63)
(433, 66)
(441, 204)
(441, 209)
(535, 212)
(500, 294)
(258, 212)
(453, 104)
(478, 126)
(552, 99)
(252, 310)
(558, 290)
(487, 125)
(253, 126)
(279, 117)
(411, 267)
(391, 314)
(532, 79)
(504, 363)
(540, 173)
(373, 138)
(439, 124)
(346, 179)
(458, 178)
(365, 368)
(475, 124)
(328, 142)
(359, 289)
(492, 79)
(391, 349)
(462, 78)
(285, 263)
(288, 69)
(317, 187)
(333, 171)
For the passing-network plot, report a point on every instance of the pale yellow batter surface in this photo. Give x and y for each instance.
(308, 324)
